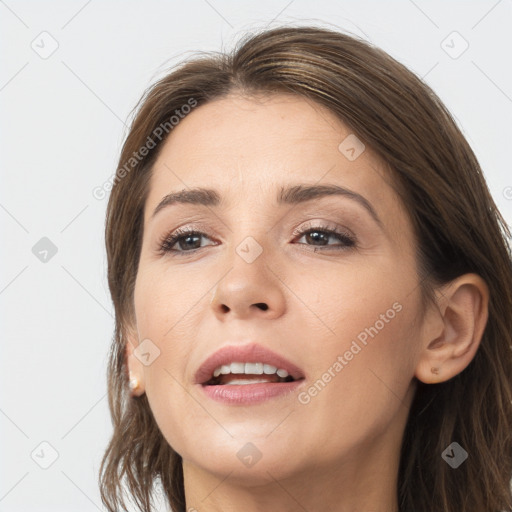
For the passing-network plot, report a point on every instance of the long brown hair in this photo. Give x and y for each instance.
(457, 226)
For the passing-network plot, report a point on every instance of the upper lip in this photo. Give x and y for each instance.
(250, 353)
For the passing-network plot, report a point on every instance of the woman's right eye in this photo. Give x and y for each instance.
(185, 239)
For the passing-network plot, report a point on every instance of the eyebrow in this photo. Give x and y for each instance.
(290, 195)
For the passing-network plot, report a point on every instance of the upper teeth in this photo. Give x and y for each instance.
(249, 368)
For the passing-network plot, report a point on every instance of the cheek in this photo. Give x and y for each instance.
(169, 308)
(167, 302)
(378, 339)
(371, 301)
(362, 354)
(362, 373)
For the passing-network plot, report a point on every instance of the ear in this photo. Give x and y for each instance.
(452, 339)
(133, 363)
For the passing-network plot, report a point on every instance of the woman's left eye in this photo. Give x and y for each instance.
(322, 234)
(188, 239)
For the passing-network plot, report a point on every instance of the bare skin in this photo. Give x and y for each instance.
(334, 449)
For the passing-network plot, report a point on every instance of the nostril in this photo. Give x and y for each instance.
(260, 305)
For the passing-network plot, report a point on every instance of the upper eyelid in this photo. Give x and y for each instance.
(313, 222)
(202, 222)
(320, 224)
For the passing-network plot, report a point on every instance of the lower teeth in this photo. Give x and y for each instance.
(246, 381)
(217, 381)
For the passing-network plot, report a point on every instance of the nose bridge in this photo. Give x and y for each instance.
(249, 286)
(250, 233)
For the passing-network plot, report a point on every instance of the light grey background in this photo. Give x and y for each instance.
(62, 124)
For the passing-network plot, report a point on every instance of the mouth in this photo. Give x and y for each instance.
(247, 374)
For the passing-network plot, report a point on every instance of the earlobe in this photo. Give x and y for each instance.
(463, 311)
(134, 367)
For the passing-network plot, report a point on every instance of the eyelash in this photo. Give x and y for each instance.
(169, 240)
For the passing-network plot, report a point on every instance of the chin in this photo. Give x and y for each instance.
(259, 461)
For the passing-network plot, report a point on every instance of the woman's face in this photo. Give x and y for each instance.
(326, 281)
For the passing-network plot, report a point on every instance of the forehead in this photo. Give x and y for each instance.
(250, 147)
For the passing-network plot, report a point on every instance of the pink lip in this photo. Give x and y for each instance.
(251, 353)
(247, 394)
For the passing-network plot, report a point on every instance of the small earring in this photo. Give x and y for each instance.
(435, 370)
(134, 383)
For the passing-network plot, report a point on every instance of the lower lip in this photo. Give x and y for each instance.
(247, 394)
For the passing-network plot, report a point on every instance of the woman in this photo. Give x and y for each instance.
(312, 288)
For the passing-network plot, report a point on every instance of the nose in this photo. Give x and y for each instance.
(249, 290)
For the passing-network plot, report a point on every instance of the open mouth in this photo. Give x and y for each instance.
(248, 373)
